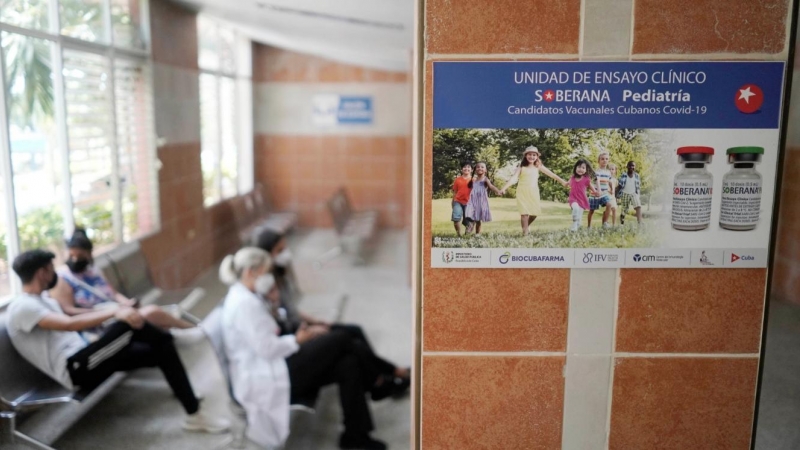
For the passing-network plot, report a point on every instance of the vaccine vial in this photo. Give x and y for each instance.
(741, 190)
(692, 188)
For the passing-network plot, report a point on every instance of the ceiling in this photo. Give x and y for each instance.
(371, 33)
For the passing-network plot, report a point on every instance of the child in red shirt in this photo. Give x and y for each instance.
(461, 190)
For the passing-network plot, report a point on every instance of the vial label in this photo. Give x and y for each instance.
(691, 202)
(741, 202)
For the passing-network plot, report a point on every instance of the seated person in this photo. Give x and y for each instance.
(269, 371)
(50, 340)
(82, 288)
(395, 380)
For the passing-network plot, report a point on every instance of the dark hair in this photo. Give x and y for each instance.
(28, 263)
(268, 239)
(466, 164)
(589, 171)
(80, 240)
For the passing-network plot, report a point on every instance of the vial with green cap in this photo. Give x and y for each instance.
(741, 190)
(692, 188)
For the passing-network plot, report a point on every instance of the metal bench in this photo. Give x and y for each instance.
(125, 268)
(24, 388)
(357, 230)
(254, 214)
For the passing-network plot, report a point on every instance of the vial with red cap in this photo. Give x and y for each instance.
(692, 189)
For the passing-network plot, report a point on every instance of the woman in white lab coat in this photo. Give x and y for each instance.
(268, 371)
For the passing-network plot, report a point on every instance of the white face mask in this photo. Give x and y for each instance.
(264, 283)
(283, 259)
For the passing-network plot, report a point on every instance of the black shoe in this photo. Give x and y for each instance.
(401, 386)
(360, 442)
(622, 220)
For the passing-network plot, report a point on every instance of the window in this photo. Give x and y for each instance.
(77, 131)
(225, 107)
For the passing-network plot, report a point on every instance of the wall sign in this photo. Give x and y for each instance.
(607, 164)
(333, 109)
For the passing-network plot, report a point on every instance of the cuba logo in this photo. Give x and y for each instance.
(505, 257)
(448, 257)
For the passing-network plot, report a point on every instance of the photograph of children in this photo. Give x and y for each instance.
(549, 178)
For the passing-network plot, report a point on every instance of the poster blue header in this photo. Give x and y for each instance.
(607, 94)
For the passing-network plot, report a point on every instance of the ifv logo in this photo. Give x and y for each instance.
(591, 257)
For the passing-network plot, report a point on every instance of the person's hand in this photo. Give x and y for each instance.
(303, 334)
(318, 330)
(130, 316)
(128, 302)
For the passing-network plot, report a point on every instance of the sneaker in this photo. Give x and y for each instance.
(360, 442)
(203, 423)
(575, 226)
(188, 336)
(606, 225)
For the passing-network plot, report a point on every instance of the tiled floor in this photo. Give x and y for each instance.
(141, 413)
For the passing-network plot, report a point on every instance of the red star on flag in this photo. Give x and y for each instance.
(549, 95)
(749, 98)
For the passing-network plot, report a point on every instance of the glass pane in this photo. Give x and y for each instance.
(83, 19)
(90, 131)
(207, 43)
(134, 132)
(126, 23)
(35, 161)
(229, 162)
(209, 138)
(227, 50)
(25, 13)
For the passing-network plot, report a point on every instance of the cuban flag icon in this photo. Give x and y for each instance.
(749, 98)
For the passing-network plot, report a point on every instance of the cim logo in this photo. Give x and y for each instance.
(643, 258)
(505, 257)
(735, 257)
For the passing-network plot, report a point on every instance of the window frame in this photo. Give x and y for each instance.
(241, 77)
(111, 53)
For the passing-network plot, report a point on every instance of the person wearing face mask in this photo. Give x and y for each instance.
(50, 340)
(270, 370)
(392, 379)
(82, 288)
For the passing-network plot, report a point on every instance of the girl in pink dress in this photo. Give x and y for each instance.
(580, 180)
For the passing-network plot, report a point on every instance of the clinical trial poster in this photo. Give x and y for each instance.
(607, 164)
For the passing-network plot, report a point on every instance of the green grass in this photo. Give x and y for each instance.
(551, 230)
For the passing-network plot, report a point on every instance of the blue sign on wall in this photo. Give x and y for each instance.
(355, 110)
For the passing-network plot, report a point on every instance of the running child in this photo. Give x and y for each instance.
(604, 197)
(628, 193)
(579, 182)
(477, 210)
(461, 190)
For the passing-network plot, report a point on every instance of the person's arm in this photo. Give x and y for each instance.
(62, 322)
(550, 174)
(514, 179)
(493, 188)
(65, 296)
(258, 327)
(592, 190)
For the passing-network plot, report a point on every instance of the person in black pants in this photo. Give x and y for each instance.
(51, 341)
(270, 370)
(390, 379)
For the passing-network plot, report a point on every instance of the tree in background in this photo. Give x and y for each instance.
(560, 147)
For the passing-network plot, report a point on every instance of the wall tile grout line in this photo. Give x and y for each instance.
(633, 30)
(618, 278)
(492, 354)
(581, 29)
(685, 355)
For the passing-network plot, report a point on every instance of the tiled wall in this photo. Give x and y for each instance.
(301, 164)
(192, 237)
(603, 358)
(786, 275)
